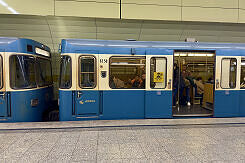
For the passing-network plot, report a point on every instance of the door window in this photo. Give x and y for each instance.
(228, 73)
(65, 72)
(242, 83)
(158, 72)
(127, 73)
(87, 72)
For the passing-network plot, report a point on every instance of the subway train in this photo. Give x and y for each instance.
(26, 85)
(102, 79)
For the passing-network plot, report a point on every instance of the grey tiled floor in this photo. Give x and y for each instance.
(190, 143)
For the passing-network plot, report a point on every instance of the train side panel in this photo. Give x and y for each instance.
(66, 106)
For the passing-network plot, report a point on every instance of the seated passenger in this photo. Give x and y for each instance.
(118, 83)
(243, 83)
(210, 80)
(136, 82)
(199, 88)
(111, 83)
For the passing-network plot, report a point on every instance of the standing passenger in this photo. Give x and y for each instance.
(186, 85)
(142, 84)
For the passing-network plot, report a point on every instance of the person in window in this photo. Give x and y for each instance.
(118, 83)
(136, 82)
(142, 84)
(243, 83)
(210, 80)
(111, 83)
(199, 88)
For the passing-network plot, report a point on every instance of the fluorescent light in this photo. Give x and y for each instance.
(201, 55)
(183, 54)
(12, 10)
(4, 4)
(191, 55)
(180, 54)
(210, 55)
(243, 63)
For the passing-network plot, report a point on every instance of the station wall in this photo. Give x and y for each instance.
(232, 11)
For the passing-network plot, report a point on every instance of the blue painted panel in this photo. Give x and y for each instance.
(13, 44)
(230, 52)
(124, 47)
(157, 51)
(226, 103)
(242, 103)
(87, 103)
(66, 106)
(20, 103)
(123, 104)
(158, 104)
(3, 104)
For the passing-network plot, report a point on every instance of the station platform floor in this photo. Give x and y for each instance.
(146, 140)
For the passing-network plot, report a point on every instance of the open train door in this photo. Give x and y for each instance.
(158, 94)
(3, 94)
(226, 98)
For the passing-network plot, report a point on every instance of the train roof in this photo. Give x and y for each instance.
(125, 47)
(21, 45)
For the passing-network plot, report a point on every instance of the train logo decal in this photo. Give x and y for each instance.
(87, 101)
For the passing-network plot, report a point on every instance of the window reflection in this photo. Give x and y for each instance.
(65, 72)
(22, 72)
(87, 72)
(44, 72)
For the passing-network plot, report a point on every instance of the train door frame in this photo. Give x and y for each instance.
(85, 97)
(226, 98)
(214, 74)
(158, 101)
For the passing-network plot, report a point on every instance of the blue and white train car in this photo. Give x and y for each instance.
(26, 85)
(134, 79)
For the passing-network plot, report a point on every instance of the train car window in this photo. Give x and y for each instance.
(158, 73)
(228, 73)
(44, 72)
(65, 72)
(127, 73)
(87, 72)
(242, 80)
(22, 72)
(1, 72)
